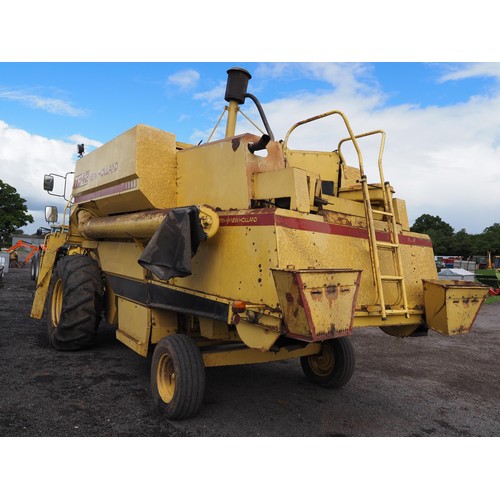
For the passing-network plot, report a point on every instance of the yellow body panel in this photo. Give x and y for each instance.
(289, 182)
(343, 244)
(134, 325)
(121, 258)
(127, 172)
(220, 173)
(324, 164)
(236, 262)
(256, 337)
(162, 323)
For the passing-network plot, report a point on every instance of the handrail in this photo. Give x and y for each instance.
(317, 117)
(380, 154)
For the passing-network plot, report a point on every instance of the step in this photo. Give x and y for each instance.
(391, 278)
(382, 212)
(385, 244)
(395, 312)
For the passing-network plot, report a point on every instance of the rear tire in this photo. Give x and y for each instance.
(177, 377)
(333, 366)
(400, 331)
(74, 303)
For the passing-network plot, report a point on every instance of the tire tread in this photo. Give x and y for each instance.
(82, 302)
(190, 376)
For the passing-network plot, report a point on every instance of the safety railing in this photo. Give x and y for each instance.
(379, 162)
(318, 117)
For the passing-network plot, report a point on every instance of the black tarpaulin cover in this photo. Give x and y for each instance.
(175, 242)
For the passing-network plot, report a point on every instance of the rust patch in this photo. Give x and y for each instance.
(235, 143)
(332, 293)
(300, 302)
(340, 219)
(289, 297)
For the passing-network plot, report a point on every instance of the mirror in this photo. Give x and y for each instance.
(51, 214)
(48, 182)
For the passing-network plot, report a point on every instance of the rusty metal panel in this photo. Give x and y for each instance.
(317, 304)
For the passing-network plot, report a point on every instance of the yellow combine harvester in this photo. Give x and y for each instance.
(219, 255)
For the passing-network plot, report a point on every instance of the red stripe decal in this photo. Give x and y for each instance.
(119, 188)
(269, 218)
(253, 218)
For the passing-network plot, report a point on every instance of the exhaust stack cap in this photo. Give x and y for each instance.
(237, 83)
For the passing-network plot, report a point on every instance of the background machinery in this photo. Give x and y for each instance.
(217, 254)
(13, 251)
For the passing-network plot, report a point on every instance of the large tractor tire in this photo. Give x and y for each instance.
(35, 267)
(333, 366)
(74, 303)
(177, 377)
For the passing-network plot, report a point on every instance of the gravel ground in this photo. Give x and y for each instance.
(423, 386)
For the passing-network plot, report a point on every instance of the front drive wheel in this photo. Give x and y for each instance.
(333, 366)
(177, 377)
(74, 303)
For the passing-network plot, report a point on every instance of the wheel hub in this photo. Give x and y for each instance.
(165, 378)
(57, 300)
(324, 362)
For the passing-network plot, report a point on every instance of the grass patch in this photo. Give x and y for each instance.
(492, 298)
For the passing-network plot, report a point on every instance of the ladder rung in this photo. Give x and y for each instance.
(376, 247)
(387, 245)
(391, 278)
(382, 212)
(390, 312)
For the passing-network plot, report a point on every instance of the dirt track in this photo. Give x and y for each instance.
(423, 386)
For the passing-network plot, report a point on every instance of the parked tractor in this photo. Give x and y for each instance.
(216, 254)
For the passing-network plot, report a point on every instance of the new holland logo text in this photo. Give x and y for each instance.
(91, 177)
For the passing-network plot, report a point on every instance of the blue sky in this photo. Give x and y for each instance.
(102, 100)
(441, 119)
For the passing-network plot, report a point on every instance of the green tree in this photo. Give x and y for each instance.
(13, 211)
(463, 244)
(440, 232)
(489, 240)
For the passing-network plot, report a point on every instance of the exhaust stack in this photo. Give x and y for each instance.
(236, 89)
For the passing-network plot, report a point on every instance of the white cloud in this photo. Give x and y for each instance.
(185, 79)
(80, 139)
(49, 104)
(472, 70)
(346, 78)
(24, 159)
(214, 95)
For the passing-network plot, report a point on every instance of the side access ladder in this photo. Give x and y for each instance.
(378, 246)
